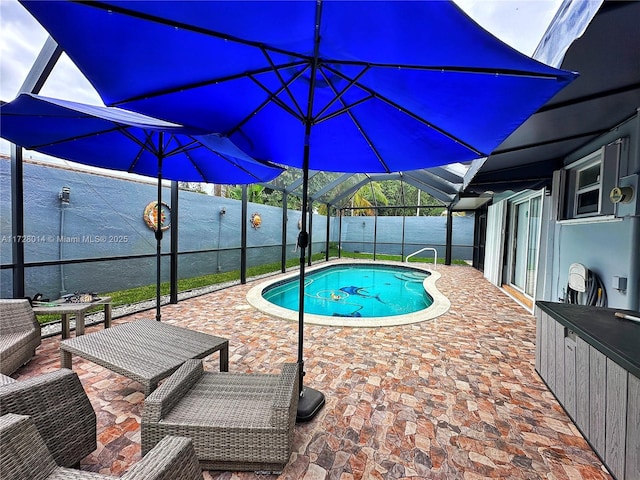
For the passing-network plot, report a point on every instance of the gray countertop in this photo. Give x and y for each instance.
(617, 338)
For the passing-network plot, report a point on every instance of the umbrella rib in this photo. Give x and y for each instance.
(341, 93)
(452, 68)
(76, 137)
(412, 115)
(361, 130)
(135, 160)
(186, 149)
(284, 84)
(204, 83)
(115, 8)
(148, 144)
(345, 109)
(144, 146)
(272, 97)
(369, 141)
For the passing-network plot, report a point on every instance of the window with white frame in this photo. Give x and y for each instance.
(588, 188)
(586, 182)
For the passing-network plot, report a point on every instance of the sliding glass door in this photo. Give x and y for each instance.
(525, 239)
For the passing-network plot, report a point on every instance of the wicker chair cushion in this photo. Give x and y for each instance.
(236, 421)
(227, 400)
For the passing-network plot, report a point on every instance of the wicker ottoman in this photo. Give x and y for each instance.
(236, 421)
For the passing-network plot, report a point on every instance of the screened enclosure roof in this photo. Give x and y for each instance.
(606, 94)
(444, 183)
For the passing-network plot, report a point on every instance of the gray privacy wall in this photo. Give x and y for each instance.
(403, 236)
(104, 219)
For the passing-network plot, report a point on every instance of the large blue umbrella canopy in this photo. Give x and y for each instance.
(385, 85)
(343, 86)
(117, 139)
(127, 141)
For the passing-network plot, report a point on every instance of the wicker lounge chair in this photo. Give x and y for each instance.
(60, 409)
(19, 334)
(237, 421)
(23, 455)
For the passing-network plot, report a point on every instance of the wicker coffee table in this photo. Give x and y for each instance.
(145, 350)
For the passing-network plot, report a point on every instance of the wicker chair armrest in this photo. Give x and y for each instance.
(60, 409)
(172, 458)
(61, 380)
(285, 402)
(23, 453)
(167, 395)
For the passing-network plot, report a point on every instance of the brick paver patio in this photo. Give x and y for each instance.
(452, 398)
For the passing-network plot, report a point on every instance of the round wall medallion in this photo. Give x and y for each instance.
(256, 220)
(150, 216)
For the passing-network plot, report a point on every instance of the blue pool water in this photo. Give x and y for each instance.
(355, 291)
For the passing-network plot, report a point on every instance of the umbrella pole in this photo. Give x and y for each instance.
(158, 232)
(311, 400)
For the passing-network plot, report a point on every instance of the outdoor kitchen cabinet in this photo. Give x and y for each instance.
(590, 360)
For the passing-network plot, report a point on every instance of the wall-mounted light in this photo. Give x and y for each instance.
(64, 195)
(621, 195)
(223, 211)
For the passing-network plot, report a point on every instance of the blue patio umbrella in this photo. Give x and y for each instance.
(343, 86)
(120, 140)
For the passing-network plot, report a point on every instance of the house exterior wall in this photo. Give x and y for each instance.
(609, 246)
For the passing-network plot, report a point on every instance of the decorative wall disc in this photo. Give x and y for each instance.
(150, 216)
(256, 220)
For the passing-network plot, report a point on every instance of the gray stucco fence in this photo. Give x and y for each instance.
(103, 221)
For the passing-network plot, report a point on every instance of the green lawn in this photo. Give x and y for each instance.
(148, 292)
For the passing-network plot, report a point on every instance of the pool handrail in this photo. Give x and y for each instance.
(435, 254)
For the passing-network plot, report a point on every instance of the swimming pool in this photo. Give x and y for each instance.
(355, 294)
